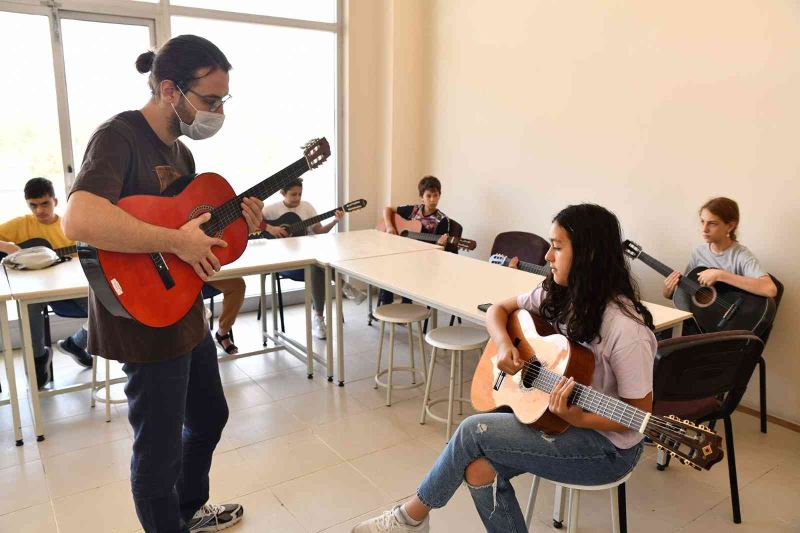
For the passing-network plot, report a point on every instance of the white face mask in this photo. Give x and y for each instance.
(205, 124)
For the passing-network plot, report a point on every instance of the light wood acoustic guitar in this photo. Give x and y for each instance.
(413, 230)
(158, 289)
(548, 356)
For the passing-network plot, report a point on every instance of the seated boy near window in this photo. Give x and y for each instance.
(293, 202)
(427, 212)
(44, 223)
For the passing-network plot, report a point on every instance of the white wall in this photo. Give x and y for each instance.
(648, 108)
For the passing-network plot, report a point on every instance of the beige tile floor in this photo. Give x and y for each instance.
(305, 455)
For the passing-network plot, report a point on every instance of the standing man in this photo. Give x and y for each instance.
(176, 403)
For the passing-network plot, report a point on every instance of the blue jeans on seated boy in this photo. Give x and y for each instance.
(577, 456)
(74, 345)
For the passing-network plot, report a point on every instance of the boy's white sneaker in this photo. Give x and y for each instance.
(318, 328)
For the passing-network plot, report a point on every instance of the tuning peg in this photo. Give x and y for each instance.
(659, 447)
(696, 467)
(704, 428)
(673, 454)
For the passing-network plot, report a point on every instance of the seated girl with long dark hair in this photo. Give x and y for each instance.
(592, 299)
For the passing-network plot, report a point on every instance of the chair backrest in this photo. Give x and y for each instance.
(528, 247)
(779, 285)
(697, 367)
(455, 230)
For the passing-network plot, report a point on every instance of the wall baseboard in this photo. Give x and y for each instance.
(774, 419)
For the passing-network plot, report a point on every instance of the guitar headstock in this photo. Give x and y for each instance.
(631, 249)
(316, 151)
(355, 205)
(499, 259)
(463, 244)
(691, 444)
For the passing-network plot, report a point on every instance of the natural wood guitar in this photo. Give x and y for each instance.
(413, 230)
(720, 307)
(158, 289)
(548, 356)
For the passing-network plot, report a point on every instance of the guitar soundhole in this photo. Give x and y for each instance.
(530, 372)
(210, 227)
(704, 296)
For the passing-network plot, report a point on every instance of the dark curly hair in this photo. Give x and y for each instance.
(599, 275)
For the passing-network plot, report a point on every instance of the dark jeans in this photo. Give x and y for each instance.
(76, 308)
(177, 409)
(386, 297)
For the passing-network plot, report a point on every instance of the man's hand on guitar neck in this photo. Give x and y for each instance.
(194, 247)
(251, 211)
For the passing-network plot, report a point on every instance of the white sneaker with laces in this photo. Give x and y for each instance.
(318, 328)
(391, 522)
(212, 517)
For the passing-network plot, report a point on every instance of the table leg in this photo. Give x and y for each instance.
(369, 305)
(677, 330)
(328, 326)
(263, 304)
(33, 387)
(434, 318)
(309, 343)
(12, 381)
(273, 279)
(339, 328)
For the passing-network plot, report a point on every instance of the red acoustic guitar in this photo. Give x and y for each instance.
(158, 289)
(413, 230)
(548, 356)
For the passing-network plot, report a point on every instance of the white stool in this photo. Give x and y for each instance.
(457, 339)
(616, 489)
(106, 399)
(395, 314)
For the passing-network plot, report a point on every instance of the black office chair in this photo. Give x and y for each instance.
(762, 364)
(703, 378)
(529, 247)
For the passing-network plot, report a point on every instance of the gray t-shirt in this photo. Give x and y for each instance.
(623, 358)
(737, 259)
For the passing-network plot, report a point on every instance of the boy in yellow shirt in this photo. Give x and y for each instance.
(44, 223)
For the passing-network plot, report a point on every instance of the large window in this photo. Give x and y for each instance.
(29, 136)
(71, 66)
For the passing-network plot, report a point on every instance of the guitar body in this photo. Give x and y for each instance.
(285, 221)
(755, 312)
(129, 285)
(539, 344)
(401, 225)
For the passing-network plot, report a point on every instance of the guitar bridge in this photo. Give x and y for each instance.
(163, 270)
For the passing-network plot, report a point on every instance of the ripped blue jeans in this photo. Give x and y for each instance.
(579, 456)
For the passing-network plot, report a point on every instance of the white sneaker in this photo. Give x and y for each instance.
(391, 522)
(353, 293)
(318, 328)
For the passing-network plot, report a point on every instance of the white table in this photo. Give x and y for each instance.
(5, 331)
(329, 248)
(457, 284)
(67, 280)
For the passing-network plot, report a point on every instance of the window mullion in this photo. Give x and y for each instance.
(62, 100)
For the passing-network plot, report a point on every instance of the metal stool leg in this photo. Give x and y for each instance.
(460, 362)
(94, 379)
(380, 352)
(427, 395)
(531, 501)
(574, 503)
(559, 503)
(390, 367)
(108, 390)
(450, 396)
(411, 351)
(422, 350)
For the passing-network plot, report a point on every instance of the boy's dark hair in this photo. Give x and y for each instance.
(38, 187)
(178, 60)
(600, 275)
(429, 183)
(295, 182)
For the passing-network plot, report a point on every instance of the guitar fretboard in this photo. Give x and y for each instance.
(589, 399)
(67, 250)
(417, 236)
(296, 227)
(230, 211)
(542, 270)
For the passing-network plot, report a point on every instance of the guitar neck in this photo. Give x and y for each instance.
(307, 223)
(533, 268)
(418, 236)
(595, 402)
(655, 264)
(67, 250)
(230, 211)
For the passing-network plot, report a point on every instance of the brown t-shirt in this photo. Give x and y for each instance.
(126, 157)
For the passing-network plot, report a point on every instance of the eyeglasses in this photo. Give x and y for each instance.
(213, 103)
